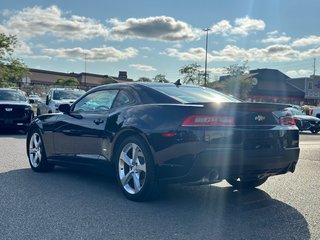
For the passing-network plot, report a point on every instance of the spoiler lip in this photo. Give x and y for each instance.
(261, 106)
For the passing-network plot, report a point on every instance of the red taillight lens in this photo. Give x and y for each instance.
(287, 121)
(203, 120)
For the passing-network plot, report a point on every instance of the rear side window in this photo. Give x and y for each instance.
(123, 99)
(190, 94)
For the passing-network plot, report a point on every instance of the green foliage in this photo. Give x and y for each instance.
(70, 81)
(11, 69)
(144, 79)
(239, 83)
(192, 74)
(160, 78)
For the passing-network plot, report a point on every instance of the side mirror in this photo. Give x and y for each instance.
(31, 101)
(47, 100)
(65, 108)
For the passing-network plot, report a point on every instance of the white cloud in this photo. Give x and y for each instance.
(299, 73)
(193, 54)
(107, 54)
(275, 52)
(273, 33)
(314, 52)
(22, 48)
(37, 21)
(242, 26)
(149, 49)
(307, 41)
(246, 25)
(282, 39)
(37, 57)
(217, 71)
(144, 68)
(156, 28)
(223, 27)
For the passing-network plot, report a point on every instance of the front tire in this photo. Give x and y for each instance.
(243, 183)
(136, 170)
(314, 131)
(36, 153)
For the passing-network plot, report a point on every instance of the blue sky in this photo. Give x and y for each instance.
(146, 38)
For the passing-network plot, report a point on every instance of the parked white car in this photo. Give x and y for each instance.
(57, 96)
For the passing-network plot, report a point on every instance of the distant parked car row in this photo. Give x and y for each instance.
(305, 122)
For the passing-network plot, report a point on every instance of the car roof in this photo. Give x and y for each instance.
(145, 84)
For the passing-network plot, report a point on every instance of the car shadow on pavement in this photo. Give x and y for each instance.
(71, 204)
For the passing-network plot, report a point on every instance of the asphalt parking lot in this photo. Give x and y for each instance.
(71, 204)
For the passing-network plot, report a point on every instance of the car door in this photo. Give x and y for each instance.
(81, 133)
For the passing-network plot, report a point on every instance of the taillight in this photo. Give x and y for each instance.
(204, 120)
(287, 121)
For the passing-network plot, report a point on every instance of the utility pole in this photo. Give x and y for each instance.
(205, 63)
(314, 68)
(85, 71)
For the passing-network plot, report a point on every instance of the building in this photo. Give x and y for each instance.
(310, 86)
(39, 81)
(275, 86)
(86, 80)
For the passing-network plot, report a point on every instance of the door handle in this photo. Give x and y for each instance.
(98, 121)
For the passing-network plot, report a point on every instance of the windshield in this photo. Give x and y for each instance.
(66, 94)
(10, 95)
(191, 94)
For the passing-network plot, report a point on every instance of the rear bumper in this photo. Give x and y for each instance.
(219, 164)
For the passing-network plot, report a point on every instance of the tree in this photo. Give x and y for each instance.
(238, 81)
(70, 82)
(192, 74)
(11, 69)
(144, 79)
(160, 78)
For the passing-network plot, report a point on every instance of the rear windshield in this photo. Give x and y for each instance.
(192, 94)
(11, 96)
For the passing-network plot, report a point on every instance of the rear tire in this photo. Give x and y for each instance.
(36, 152)
(135, 170)
(243, 183)
(314, 131)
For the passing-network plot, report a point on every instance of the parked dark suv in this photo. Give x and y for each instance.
(15, 112)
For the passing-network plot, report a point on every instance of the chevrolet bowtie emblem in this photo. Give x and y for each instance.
(260, 118)
(8, 109)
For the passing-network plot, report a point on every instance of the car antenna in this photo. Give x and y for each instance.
(177, 83)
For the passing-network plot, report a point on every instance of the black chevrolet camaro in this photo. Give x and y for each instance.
(154, 133)
(15, 112)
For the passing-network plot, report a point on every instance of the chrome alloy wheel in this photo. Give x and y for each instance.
(35, 150)
(132, 168)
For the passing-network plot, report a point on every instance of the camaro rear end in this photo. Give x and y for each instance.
(249, 141)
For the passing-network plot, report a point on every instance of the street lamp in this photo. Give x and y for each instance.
(205, 64)
(85, 71)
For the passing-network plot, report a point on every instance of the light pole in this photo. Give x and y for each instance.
(205, 63)
(85, 71)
